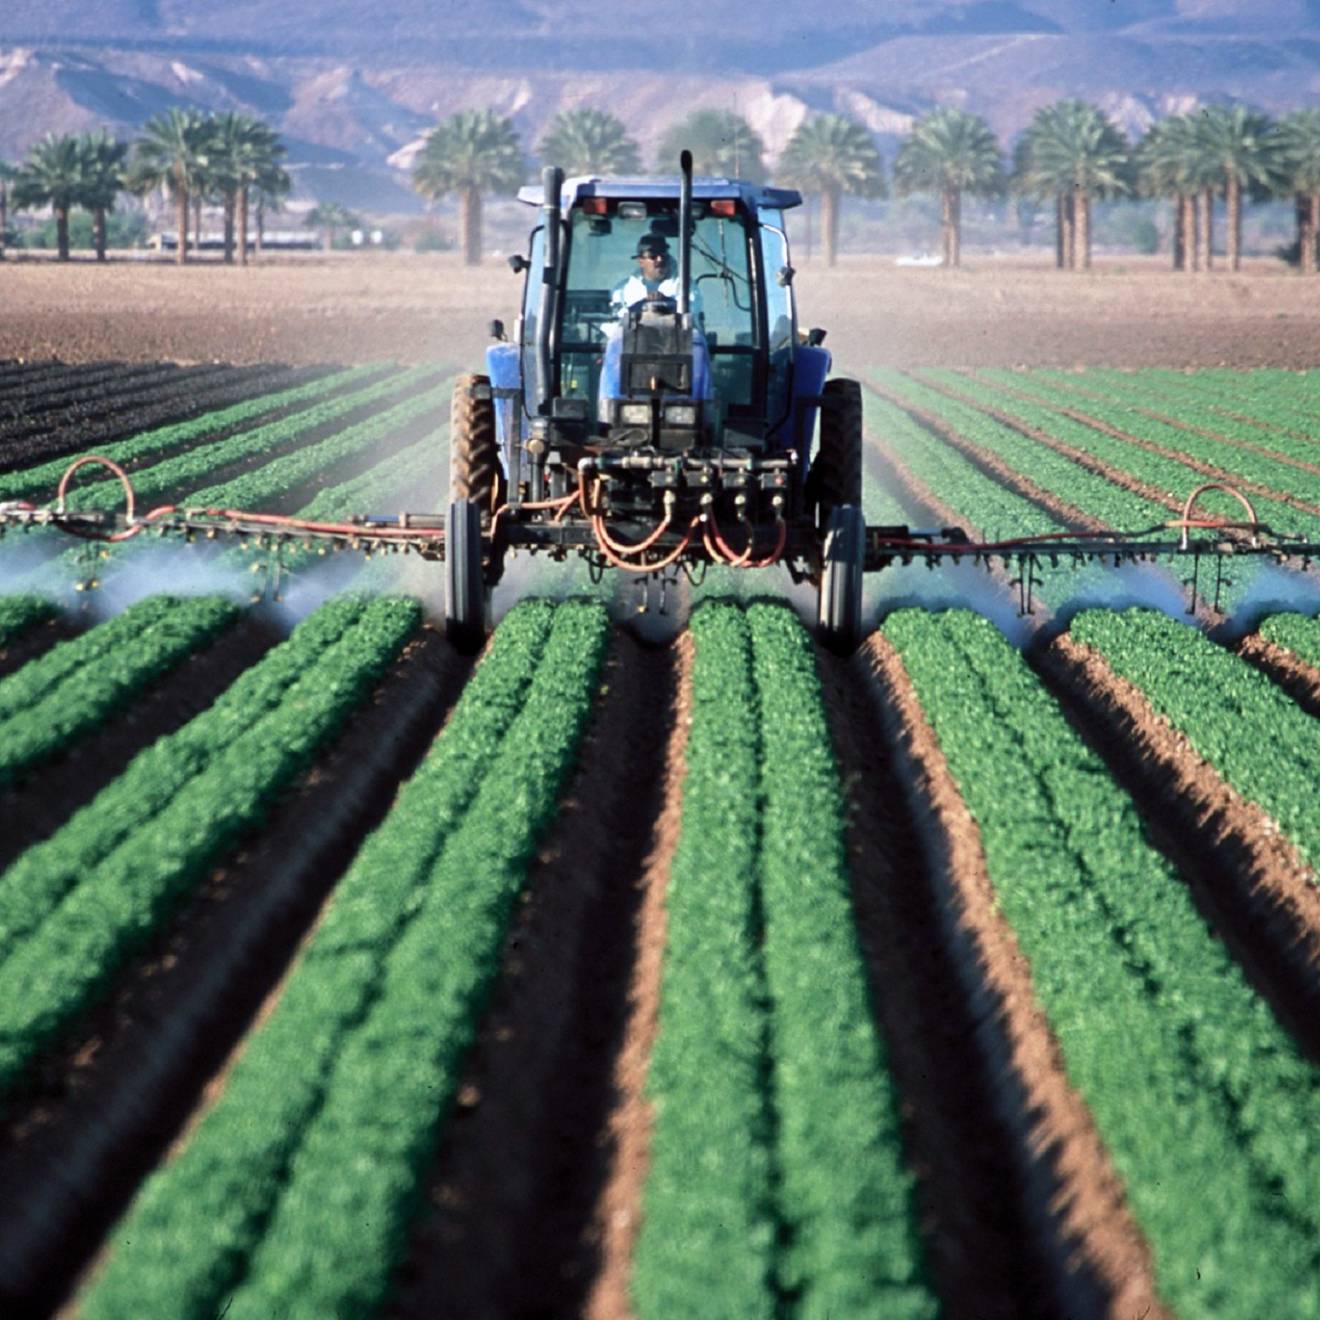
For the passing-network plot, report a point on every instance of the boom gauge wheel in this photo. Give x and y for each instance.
(839, 605)
(465, 587)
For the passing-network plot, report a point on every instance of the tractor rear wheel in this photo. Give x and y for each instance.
(475, 472)
(836, 473)
(465, 582)
(839, 604)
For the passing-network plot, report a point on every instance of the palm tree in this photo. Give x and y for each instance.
(1296, 141)
(587, 141)
(240, 152)
(329, 217)
(103, 180)
(1235, 142)
(268, 193)
(1074, 154)
(722, 143)
(168, 155)
(470, 153)
(1166, 167)
(832, 155)
(949, 152)
(52, 175)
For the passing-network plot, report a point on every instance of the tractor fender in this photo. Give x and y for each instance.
(811, 365)
(504, 367)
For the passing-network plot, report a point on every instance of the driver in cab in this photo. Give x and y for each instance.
(656, 274)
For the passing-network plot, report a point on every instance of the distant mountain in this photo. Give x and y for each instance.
(353, 88)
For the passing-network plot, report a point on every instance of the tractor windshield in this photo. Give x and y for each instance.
(604, 274)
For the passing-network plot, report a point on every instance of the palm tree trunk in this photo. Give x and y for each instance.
(1233, 196)
(829, 224)
(62, 231)
(1070, 231)
(1313, 234)
(946, 227)
(469, 224)
(957, 227)
(181, 203)
(1176, 248)
(98, 231)
(261, 227)
(4, 215)
(1083, 200)
(231, 203)
(242, 225)
(1191, 247)
(1207, 236)
(1060, 231)
(328, 238)
(197, 222)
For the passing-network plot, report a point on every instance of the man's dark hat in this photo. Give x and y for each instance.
(651, 243)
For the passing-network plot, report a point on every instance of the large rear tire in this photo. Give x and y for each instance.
(839, 604)
(475, 471)
(465, 585)
(836, 474)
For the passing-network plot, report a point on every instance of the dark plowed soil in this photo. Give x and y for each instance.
(96, 1115)
(29, 398)
(1251, 885)
(44, 798)
(1022, 1212)
(37, 640)
(510, 1225)
(180, 401)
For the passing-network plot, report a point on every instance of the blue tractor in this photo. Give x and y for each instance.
(657, 426)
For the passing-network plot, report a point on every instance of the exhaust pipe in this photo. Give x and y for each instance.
(552, 180)
(684, 234)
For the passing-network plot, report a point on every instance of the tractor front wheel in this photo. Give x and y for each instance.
(836, 474)
(839, 604)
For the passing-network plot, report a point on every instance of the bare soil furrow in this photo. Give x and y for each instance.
(37, 640)
(41, 801)
(1025, 1214)
(37, 403)
(1298, 679)
(1249, 882)
(95, 1116)
(525, 1158)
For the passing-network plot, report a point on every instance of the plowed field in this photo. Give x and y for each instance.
(971, 975)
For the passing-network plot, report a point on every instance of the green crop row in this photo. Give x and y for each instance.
(1283, 400)
(1254, 735)
(1230, 462)
(843, 1192)
(78, 685)
(1201, 1098)
(181, 473)
(776, 1164)
(292, 1196)
(40, 482)
(67, 960)
(1188, 405)
(1295, 633)
(1157, 470)
(1053, 472)
(19, 613)
(253, 489)
(33, 886)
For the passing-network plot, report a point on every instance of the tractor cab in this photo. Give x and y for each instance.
(703, 361)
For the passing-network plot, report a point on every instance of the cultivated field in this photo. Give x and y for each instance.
(971, 975)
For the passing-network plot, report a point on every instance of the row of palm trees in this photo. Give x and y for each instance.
(229, 158)
(1070, 155)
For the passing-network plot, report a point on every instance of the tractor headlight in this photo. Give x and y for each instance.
(681, 414)
(635, 414)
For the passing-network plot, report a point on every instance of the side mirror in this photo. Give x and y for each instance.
(784, 276)
(496, 330)
(815, 337)
(518, 263)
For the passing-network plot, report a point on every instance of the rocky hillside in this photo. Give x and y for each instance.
(353, 94)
